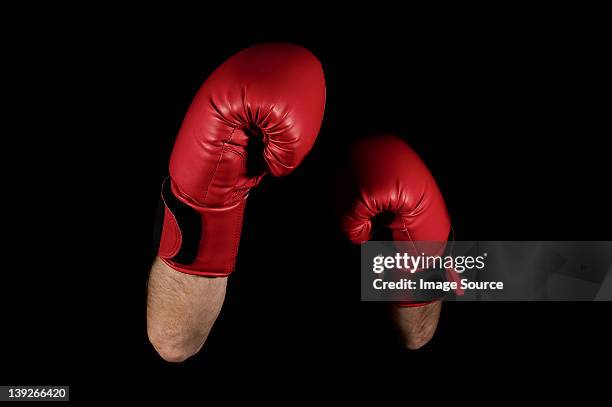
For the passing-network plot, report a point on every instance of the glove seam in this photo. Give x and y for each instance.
(217, 165)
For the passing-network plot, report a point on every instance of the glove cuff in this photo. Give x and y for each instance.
(199, 240)
(448, 275)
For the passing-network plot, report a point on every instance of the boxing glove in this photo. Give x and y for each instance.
(259, 112)
(387, 185)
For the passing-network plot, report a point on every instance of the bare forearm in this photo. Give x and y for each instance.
(181, 310)
(416, 325)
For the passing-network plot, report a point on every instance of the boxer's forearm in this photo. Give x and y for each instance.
(181, 310)
(416, 325)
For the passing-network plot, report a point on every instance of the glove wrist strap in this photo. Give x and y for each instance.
(199, 240)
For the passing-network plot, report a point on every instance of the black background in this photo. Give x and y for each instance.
(509, 115)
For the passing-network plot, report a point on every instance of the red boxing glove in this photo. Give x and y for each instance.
(259, 112)
(392, 187)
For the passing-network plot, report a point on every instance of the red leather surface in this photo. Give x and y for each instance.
(392, 178)
(274, 92)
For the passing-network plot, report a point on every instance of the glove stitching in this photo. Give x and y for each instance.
(223, 149)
